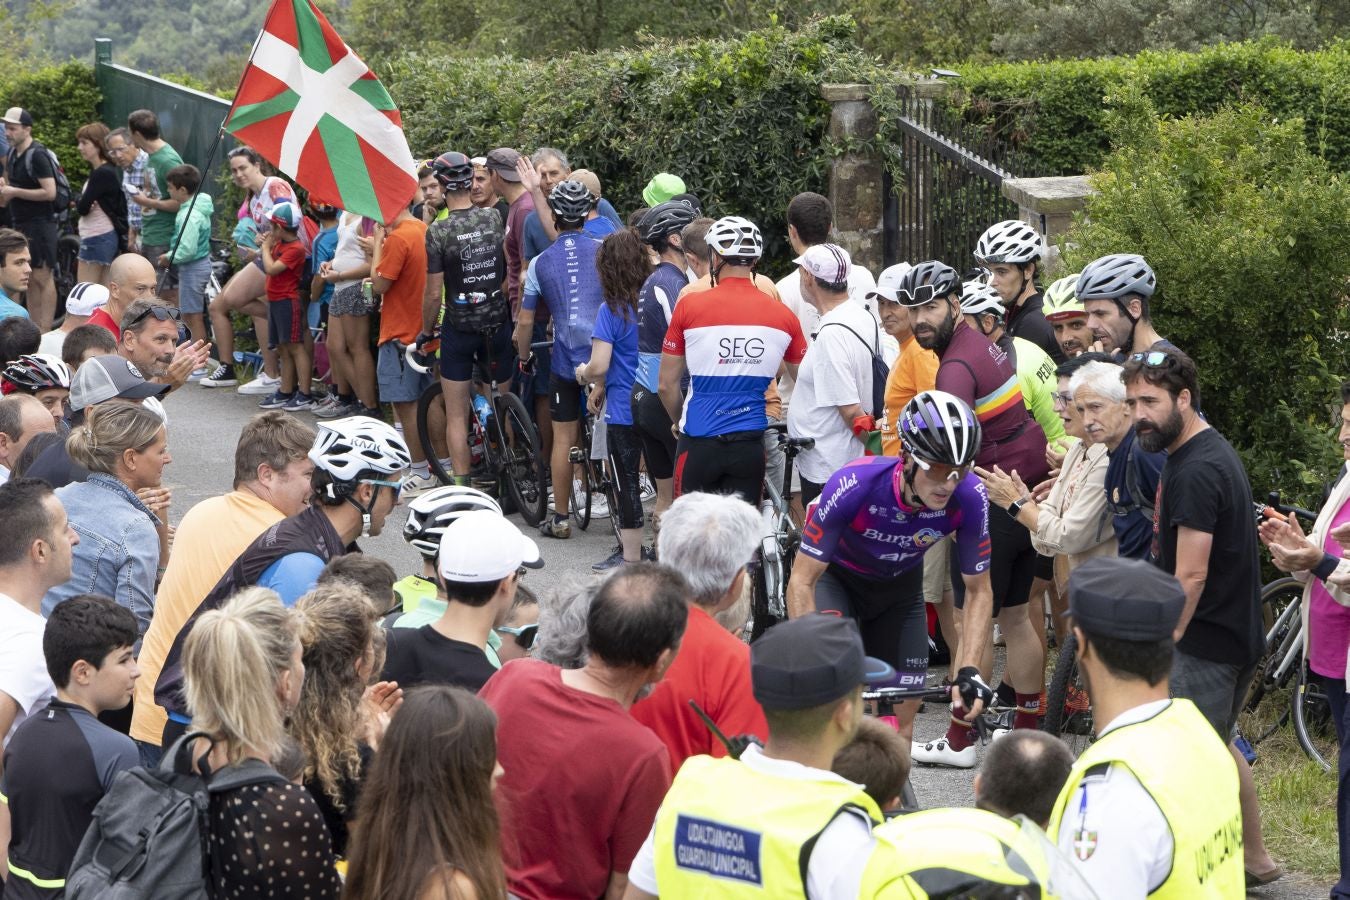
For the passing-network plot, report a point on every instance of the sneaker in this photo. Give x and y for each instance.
(645, 487)
(599, 506)
(223, 376)
(198, 374)
(613, 561)
(278, 400)
(555, 527)
(360, 409)
(334, 410)
(263, 384)
(998, 636)
(940, 753)
(299, 402)
(648, 554)
(414, 484)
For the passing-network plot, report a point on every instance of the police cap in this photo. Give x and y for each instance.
(811, 661)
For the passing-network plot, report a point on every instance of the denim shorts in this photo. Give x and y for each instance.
(398, 381)
(192, 280)
(100, 249)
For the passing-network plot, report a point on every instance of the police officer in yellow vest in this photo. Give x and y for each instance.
(1151, 809)
(776, 823)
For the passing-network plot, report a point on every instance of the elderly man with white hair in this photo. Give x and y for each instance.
(709, 538)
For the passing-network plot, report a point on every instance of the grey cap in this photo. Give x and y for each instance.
(1125, 599)
(503, 161)
(105, 377)
(811, 661)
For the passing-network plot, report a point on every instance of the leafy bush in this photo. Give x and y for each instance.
(1053, 112)
(1249, 233)
(742, 121)
(61, 99)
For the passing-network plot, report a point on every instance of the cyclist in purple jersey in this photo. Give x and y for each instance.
(864, 540)
(982, 375)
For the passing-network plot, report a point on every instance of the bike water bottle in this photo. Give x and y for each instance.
(482, 409)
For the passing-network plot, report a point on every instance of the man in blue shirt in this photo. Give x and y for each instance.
(15, 269)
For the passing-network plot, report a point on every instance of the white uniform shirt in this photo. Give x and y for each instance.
(837, 371)
(832, 872)
(1112, 829)
(23, 668)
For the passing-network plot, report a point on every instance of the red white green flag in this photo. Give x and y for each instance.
(313, 109)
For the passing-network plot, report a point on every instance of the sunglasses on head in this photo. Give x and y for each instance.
(524, 634)
(162, 313)
(1154, 359)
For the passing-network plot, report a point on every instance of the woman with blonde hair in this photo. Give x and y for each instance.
(116, 511)
(243, 675)
(331, 722)
(427, 828)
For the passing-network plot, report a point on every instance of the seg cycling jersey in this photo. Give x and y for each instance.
(861, 523)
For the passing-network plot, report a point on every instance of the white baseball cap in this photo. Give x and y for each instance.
(828, 262)
(483, 546)
(86, 297)
(888, 283)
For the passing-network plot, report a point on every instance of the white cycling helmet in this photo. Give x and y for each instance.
(978, 298)
(344, 448)
(733, 237)
(430, 514)
(1009, 241)
(34, 372)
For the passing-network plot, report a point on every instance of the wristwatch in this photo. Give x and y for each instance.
(1016, 506)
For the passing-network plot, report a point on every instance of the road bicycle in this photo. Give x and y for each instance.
(779, 541)
(503, 441)
(591, 476)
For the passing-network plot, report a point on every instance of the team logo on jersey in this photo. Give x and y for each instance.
(926, 537)
(1084, 844)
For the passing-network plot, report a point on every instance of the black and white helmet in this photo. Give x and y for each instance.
(346, 448)
(940, 428)
(665, 219)
(35, 372)
(1115, 276)
(430, 514)
(732, 237)
(571, 201)
(978, 298)
(1009, 241)
(453, 170)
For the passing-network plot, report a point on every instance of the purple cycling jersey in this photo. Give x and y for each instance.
(861, 523)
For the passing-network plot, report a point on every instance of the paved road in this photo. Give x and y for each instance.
(205, 426)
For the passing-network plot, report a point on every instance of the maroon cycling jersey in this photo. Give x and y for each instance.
(981, 373)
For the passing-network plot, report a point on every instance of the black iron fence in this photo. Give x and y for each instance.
(946, 190)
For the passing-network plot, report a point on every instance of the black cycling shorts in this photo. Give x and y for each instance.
(652, 424)
(890, 614)
(733, 464)
(564, 398)
(462, 350)
(625, 457)
(1045, 567)
(1012, 562)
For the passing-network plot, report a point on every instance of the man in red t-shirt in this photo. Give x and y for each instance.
(582, 779)
(131, 277)
(709, 538)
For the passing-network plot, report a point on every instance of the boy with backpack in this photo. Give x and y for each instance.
(283, 259)
(35, 191)
(190, 248)
(62, 760)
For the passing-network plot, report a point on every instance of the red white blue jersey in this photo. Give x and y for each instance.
(733, 339)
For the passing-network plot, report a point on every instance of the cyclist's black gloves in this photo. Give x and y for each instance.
(740, 743)
(972, 688)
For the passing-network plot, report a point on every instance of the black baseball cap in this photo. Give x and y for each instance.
(1125, 599)
(811, 661)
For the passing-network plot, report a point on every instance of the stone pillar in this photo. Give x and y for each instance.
(855, 176)
(1048, 205)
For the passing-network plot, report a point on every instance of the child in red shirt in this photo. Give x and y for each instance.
(283, 259)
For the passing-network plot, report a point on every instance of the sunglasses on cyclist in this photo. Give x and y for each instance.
(381, 482)
(523, 634)
(943, 472)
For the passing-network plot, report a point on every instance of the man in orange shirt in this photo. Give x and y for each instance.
(709, 538)
(398, 272)
(915, 369)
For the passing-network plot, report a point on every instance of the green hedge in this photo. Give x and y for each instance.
(1249, 233)
(742, 121)
(1054, 113)
(61, 99)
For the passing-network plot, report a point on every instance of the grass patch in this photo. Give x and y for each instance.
(1298, 807)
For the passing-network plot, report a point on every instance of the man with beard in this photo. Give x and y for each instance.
(1065, 313)
(1114, 291)
(1204, 536)
(151, 330)
(979, 373)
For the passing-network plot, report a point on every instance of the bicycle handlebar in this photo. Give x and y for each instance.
(1274, 505)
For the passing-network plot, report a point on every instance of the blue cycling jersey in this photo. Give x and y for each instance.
(861, 522)
(655, 303)
(564, 277)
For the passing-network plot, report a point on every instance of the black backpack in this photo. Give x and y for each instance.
(61, 202)
(149, 836)
(880, 371)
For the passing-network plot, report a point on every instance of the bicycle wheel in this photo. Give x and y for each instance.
(517, 458)
(762, 573)
(1312, 719)
(1265, 708)
(66, 271)
(610, 488)
(1068, 715)
(430, 410)
(579, 506)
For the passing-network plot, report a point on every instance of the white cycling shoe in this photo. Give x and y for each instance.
(940, 753)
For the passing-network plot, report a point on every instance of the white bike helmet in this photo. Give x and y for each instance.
(978, 298)
(732, 237)
(430, 514)
(1009, 241)
(345, 448)
(35, 372)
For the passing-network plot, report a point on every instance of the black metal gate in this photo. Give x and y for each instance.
(949, 190)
